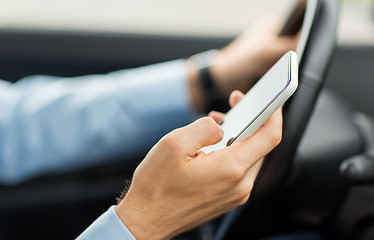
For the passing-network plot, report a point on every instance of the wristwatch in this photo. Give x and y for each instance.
(214, 100)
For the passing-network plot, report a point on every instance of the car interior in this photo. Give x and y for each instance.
(319, 179)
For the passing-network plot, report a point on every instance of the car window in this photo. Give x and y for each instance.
(356, 24)
(182, 17)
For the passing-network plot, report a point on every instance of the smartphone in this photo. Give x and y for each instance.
(260, 102)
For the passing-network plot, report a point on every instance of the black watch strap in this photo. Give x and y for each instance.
(214, 100)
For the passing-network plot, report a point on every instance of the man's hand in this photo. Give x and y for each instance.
(250, 56)
(176, 187)
(240, 64)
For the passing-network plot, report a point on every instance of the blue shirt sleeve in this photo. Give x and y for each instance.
(51, 124)
(109, 227)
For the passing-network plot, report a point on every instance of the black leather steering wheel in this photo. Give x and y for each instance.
(296, 113)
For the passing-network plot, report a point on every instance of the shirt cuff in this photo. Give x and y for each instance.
(108, 226)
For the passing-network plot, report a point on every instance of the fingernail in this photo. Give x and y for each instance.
(220, 122)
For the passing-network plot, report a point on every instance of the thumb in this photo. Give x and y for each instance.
(201, 133)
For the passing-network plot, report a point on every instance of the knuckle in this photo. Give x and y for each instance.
(243, 193)
(210, 126)
(168, 141)
(236, 174)
(243, 200)
(276, 137)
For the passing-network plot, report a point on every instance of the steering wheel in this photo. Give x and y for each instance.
(278, 164)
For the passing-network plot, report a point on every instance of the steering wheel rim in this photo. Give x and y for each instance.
(313, 69)
(296, 113)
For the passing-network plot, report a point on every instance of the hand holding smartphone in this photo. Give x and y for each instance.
(260, 102)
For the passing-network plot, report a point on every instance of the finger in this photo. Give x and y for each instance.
(217, 116)
(253, 172)
(267, 137)
(201, 133)
(245, 186)
(235, 97)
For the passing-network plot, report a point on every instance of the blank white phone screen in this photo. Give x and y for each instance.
(256, 100)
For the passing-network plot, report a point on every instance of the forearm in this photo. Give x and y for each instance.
(54, 125)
